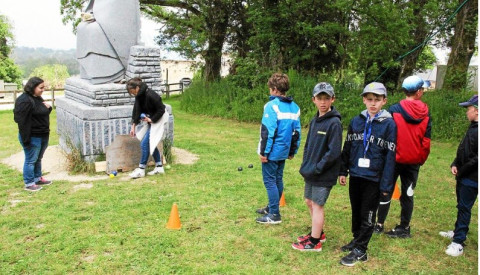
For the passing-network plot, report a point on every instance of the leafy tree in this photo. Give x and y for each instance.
(54, 75)
(9, 72)
(463, 46)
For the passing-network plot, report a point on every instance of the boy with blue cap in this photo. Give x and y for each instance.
(414, 124)
(369, 157)
(465, 170)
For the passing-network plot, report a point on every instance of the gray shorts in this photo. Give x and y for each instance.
(317, 194)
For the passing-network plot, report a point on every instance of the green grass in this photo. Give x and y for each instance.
(118, 226)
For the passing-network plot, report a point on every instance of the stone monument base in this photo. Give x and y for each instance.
(92, 124)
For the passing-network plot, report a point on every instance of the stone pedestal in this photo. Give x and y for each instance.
(90, 116)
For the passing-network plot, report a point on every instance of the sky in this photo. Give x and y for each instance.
(38, 23)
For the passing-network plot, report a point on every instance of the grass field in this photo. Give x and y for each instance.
(118, 226)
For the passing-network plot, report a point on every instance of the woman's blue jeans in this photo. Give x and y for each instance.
(272, 172)
(145, 147)
(32, 167)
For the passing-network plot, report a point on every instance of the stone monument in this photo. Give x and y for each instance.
(97, 107)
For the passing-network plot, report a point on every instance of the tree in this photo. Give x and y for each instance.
(53, 75)
(9, 72)
(463, 46)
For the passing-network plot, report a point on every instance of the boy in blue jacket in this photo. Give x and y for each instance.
(321, 163)
(369, 157)
(279, 140)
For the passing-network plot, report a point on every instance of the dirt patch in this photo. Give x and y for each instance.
(82, 186)
(54, 164)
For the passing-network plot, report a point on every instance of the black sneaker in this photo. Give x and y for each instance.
(348, 247)
(270, 219)
(354, 257)
(378, 229)
(262, 211)
(399, 232)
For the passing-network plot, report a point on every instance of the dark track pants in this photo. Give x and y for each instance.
(466, 197)
(364, 197)
(408, 176)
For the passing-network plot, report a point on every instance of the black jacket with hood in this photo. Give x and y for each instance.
(149, 103)
(321, 154)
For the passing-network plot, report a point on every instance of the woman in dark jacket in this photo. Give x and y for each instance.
(32, 114)
(148, 107)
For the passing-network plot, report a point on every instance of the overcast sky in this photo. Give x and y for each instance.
(38, 23)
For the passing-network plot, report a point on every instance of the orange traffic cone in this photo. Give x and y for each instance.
(396, 193)
(174, 220)
(282, 200)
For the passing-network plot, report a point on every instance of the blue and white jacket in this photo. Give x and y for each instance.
(381, 150)
(280, 131)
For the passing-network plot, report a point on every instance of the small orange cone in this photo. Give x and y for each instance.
(282, 200)
(396, 193)
(174, 220)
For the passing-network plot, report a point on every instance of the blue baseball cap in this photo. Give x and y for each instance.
(473, 101)
(412, 83)
(375, 88)
(323, 87)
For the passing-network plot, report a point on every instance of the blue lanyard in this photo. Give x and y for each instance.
(367, 133)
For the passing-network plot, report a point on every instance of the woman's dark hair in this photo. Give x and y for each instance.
(134, 83)
(32, 83)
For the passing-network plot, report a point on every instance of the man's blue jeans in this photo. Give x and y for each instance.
(272, 173)
(466, 197)
(32, 167)
(145, 147)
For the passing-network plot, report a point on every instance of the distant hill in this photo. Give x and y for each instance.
(30, 58)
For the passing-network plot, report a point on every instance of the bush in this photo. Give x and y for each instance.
(227, 98)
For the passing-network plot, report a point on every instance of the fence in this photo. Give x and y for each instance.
(17, 93)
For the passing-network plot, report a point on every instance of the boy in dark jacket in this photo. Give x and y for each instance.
(321, 163)
(369, 157)
(414, 126)
(465, 169)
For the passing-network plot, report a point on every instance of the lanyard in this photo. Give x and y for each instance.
(367, 133)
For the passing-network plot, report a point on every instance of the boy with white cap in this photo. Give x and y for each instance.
(369, 157)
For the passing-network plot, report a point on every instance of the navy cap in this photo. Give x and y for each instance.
(323, 87)
(412, 83)
(473, 101)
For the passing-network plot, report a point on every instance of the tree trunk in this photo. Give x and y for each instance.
(463, 46)
(217, 25)
(409, 63)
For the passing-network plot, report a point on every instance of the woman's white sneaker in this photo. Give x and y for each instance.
(137, 173)
(157, 170)
(447, 234)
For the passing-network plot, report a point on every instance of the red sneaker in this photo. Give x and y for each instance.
(307, 246)
(303, 238)
(43, 181)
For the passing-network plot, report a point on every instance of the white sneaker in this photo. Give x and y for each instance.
(137, 173)
(454, 249)
(157, 170)
(447, 234)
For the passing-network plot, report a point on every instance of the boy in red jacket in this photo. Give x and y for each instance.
(414, 126)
